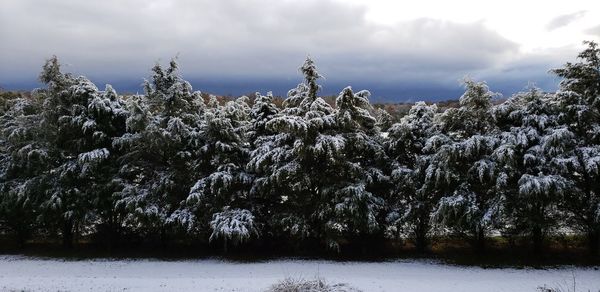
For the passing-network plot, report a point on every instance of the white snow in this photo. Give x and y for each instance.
(34, 274)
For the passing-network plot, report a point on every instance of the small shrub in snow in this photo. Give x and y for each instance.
(302, 285)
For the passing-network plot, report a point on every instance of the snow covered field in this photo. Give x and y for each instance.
(33, 274)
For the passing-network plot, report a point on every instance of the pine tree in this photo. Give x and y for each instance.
(105, 121)
(469, 206)
(411, 145)
(579, 102)
(222, 192)
(159, 149)
(24, 161)
(357, 183)
(296, 161)
(65, 98)
(78, 160)
(384, 120)
(583, 78)
(263, 110)
(73, 131)
(265, 198)
(529, 186)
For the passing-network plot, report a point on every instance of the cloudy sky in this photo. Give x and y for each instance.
(400, 50)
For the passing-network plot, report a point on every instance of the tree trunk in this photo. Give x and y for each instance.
(593, 241)
(21, 237)
(163, 237)
(538, 239)
(421, 235)
(480, 240)
(67, 233)
(113, 232)
(225, 245)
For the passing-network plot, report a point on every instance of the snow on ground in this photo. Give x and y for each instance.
(34, 274)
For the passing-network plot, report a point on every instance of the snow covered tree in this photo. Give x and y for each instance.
(306, 91)
(296, 162)
(471, 203)
(357, 184)
(159, 149)
(65, 147)
(384, 120)
(23, 163)
(472, 117)
(104, 122)
(263, 110)
(579, 104)
(79, 124)
(222, 192)
(529, 186)
(411, 145)
(264, 199)
(64, 202)
(583, 78)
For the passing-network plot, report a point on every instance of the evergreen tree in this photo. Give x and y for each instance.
(470, 204)
(529, 186)
(235, 225)
(63, 202)
(384, 120)
(23, 164)
(583, 78)
(222, 193)
(105, 121)
(159, 149)
(296, 161)
(411, 145)
(579, 102)
(264, 197)
(357, 183)
(74, 130)
(263, 110)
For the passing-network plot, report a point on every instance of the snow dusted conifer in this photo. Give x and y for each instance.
(354, 189)
(306, 92)
(75, 158)
(583, 77)
(24, 161)
(469, 205)
(529, 186)
(263, 110)
(160, 147)
(265, 197)
(296, 160)
(473, 116)
(579, 125)
(76, 128)
(105, 121)
(65, 104)
(411, 145)
(384, 120)
(224, 184)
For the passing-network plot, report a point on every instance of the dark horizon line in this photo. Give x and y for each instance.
(400, 92)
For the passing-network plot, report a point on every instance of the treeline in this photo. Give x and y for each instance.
(171, 165)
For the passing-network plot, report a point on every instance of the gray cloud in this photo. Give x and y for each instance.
(595, 31)
(564, 20)
(114, 40)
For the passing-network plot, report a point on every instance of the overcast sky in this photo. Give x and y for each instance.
(400, 51)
